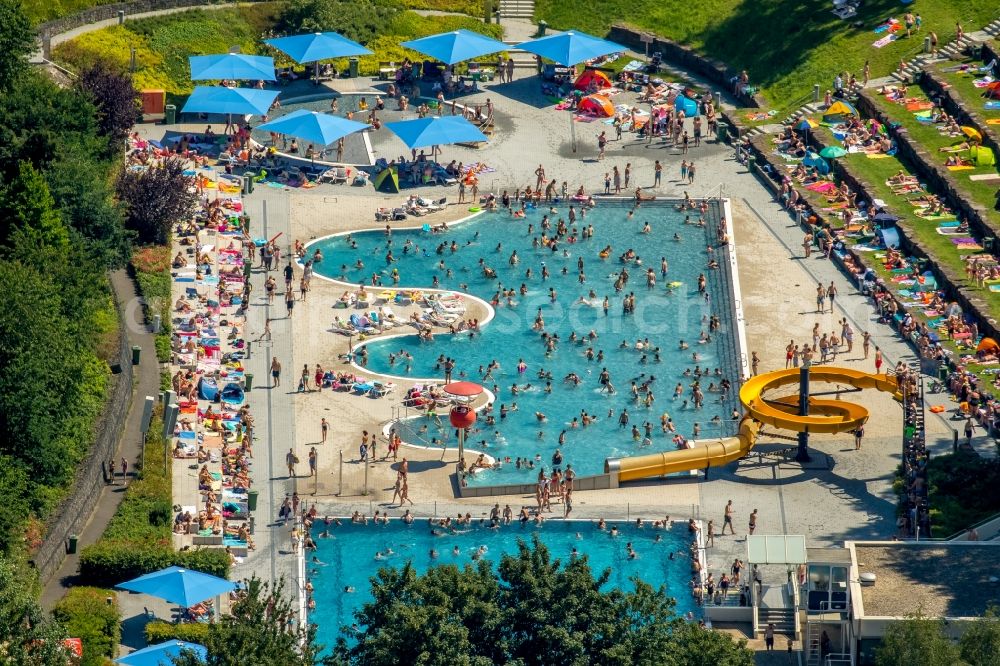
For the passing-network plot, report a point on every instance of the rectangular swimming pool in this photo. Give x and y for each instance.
(347, 558)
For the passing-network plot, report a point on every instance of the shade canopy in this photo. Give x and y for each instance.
(814, 160)
(317, 46)
(832, 152)
(232, 66)
(162, 654)
(436, 131)
(313, 126)
(220, 99)
(463, 389)
(972, 133)
(455, 46)
(807, 124)
(570, 47)
(776, 549)
(179, 586)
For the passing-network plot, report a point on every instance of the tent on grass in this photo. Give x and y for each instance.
(988, 345)
(814, 160)
(592, 77)
(687, 105)
(982, 155)
(597, 105)
(838, 112)
(387, 180)
(889, 237)
(992, 90)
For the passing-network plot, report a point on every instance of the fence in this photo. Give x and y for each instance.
(49, 29)
(71, 516)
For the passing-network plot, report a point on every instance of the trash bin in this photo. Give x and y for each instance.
(248, 381)
(247, 183)
(169, 114)
(943, 372)
(252, 500)
(136, 353)
(352, 67)
(722, 131)
(542, 27)
(751, 161)
(71, 544)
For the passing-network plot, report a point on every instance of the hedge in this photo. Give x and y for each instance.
(87, 615)
(110, 562)
(151, 269)
(191, 632)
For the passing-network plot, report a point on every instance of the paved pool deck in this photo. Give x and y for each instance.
(844, 494)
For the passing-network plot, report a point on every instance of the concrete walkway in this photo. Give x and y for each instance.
(146, 381)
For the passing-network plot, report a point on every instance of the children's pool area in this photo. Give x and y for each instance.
(348, 558)
(560, 381)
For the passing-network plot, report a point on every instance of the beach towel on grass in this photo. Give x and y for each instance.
(919, 106)
(877, 156)
(888, 39)
(993, 121)
(992, 106)
(995, 287)
(960, 167)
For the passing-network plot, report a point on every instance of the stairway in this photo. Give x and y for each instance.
(783, 619)
(522, 9)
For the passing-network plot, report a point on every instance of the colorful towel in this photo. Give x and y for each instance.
(993, 121)
(992, 106)
(995, 287)
(876, 156)
(879, 43)
(960, 167)
(919, 106)
(825, 186)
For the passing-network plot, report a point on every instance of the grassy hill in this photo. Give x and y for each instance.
(785, 45)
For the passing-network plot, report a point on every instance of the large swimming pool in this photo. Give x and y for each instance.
(348, 561)
(666, 313)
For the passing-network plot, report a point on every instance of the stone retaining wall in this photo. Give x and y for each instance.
(74, 511)
(931, 169)
(962, 109)
(954, 286)
(683, 57)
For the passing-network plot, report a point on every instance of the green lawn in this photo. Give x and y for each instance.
(163, 44)
(962, 83)
(922, 232)
(983, 193)
(786, 45)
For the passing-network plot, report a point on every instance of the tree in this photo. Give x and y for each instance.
(260, 631)
(16, 41)
(156, 199)
(533, 610)
(28, 637)
(116, 100)
(28, 212)
(980, 644)
(917, 640)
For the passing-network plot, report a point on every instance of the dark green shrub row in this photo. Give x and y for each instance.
(158, 632)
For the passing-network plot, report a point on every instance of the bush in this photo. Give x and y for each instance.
(191, 632)
(87, 615)
(112, 562)
(964, 489)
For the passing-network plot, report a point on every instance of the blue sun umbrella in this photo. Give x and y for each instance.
(436, 131)
(317, 46)
(162, 654)
(312, 126)
(179, 586)
(220, 99)
(571, 47)
(232, 66)
(455, 46)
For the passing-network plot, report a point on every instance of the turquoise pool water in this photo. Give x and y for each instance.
(663, 315)
(348, 558)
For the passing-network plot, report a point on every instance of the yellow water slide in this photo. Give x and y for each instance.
(825, 416)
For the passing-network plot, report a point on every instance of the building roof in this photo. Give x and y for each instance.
(776, 549)
(833, 555)
(941, 579)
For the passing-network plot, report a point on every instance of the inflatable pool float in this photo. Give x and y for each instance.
(475, 209)
(603, 254)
